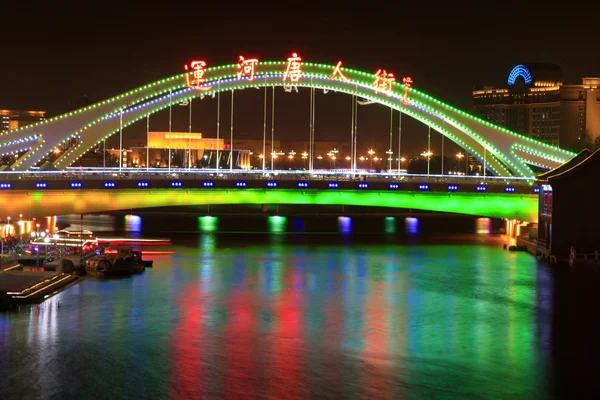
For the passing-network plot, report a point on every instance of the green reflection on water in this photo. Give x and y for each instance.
(390, 225)
(277, 224)
(208, 224)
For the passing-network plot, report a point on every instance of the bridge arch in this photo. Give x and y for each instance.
(506, 153)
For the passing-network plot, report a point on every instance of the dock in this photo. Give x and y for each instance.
(24, 287)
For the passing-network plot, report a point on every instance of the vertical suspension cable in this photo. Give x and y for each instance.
(352, 159)
(190, 123)
(189, 143)
(314, 102)
(484, 161)
(218, 122)
(428, 147)
(466, 162)
(399, 141)
(121, 140)
(170, 114)
(264, 146)
(104, 151)
(231, 142)
(272, 128)
(442, 154)
(390, 152)
(355, 127)
(310, 121)
(147, 142)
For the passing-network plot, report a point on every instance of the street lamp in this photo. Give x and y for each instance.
(371, 152)
(402, 159)
(460, 156)
(37, 253)
(427, 154)
(390, 153)
(304, 158)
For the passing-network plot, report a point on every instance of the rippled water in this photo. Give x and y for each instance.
(239, 315)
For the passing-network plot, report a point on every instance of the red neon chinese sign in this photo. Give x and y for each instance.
(246, 68)
(383, 81)
(337, 71)
(407, 80)
(197, 68)
(294, 68)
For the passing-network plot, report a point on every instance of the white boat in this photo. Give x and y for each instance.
(63, 240)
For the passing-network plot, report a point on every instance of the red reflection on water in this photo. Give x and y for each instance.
(288, 340)
(376, 339)
(187, 347)
(239, 341)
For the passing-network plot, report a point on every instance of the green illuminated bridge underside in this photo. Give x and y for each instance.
(506, 153)
(59, 202)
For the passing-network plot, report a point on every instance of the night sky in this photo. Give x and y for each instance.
(54, 55)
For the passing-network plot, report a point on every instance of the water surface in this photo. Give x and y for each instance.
(279, 315)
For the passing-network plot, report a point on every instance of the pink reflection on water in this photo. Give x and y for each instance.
(188, 343)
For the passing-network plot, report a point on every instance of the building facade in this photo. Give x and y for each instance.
(13, 119)
(568, 216)
(537, 103)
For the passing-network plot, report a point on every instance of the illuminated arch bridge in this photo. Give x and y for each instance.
(505, 153)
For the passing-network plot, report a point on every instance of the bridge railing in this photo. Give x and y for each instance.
(226, 174)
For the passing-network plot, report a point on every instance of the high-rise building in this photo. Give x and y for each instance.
(537, 103)
(13, 119)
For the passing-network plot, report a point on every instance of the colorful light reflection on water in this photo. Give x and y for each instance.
(291, 321)
(133, 223)
(483, 225)
(411, 224)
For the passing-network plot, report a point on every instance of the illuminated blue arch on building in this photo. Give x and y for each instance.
(519, 70)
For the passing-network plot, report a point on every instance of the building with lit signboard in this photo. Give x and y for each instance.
(13, 119)
(537, 103)
(185, 150)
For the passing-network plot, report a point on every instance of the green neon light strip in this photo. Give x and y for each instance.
(59, 202)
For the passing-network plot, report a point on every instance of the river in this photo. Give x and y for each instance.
(311, 308)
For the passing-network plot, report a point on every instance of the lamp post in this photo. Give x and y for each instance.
(304, 157)
(371, 152)
(460, 156)
(291, 155)
(427, 154)
(273, 158)
(390, 159)
(8, 232)
(319, 157)
(402, 159)
(348, 158)
(37, 252)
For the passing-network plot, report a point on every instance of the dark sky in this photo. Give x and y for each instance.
(53, 55)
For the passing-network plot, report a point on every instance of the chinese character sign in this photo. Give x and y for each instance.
(294, 68)
(383, 82)
(246, 68)
(407, 80)
(338, 72)
(197, 78)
